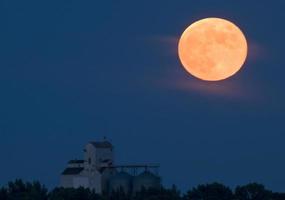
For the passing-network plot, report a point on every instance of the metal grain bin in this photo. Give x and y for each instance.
(146, 180)
(121, 181)
(107, 174)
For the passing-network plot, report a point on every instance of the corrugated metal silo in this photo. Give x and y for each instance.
(106, 176)
(121, 181)
(146, 180)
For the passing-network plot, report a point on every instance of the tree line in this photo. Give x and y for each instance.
(19, 190)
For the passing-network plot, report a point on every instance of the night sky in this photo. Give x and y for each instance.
(75, 71)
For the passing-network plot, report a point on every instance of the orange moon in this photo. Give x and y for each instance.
(212, 49)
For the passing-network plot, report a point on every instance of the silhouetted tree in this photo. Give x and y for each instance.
(214, 191)
(73, 194)
(119, 194)
(26, 191)
(158, 194)
(252, 191)
(3, 194)
(278, 196)
(19, 190)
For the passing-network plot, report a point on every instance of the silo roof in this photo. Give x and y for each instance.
(104, 144)
(147, 174)
(76, 161)
(72, 170)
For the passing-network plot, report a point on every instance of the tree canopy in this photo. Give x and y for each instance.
(20, 190)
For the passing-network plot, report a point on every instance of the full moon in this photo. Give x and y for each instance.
(212, 49)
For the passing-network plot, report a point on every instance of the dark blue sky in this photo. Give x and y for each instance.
(75, 71)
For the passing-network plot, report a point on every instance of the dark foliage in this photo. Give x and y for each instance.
(19, 190)
(3, 194)
(118, 195)
(213, 191)
(252, 191)
(73, 194)
(278, 196)
(158, 194)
